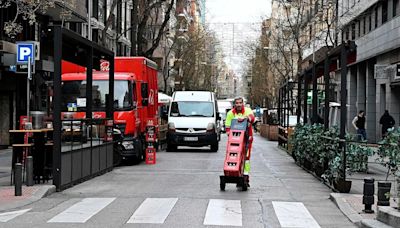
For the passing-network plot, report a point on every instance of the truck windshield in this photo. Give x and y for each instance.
(192, 109)
(74, 95)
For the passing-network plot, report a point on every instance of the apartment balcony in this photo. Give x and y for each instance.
(182, 14)
(78, 11)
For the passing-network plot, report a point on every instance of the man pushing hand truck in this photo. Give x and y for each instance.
(240, 138)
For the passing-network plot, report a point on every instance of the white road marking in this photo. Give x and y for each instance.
(153, 210)
(5, 217)
(223, 213)
(294, 214)
(82, 211)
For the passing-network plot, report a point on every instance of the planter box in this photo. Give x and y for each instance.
(264, 130)
(269, 131)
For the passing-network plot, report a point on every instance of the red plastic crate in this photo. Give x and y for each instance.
(150, 156)
(235, 154)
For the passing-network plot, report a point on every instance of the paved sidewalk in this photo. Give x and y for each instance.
(29, 194)
(351, 204)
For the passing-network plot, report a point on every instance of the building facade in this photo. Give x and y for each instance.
(109, 25)
(374, 80)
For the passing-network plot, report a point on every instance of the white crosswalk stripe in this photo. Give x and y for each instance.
(294, 214)
(218, 212)
(153, 210)
(223, 213)
(82, 211)
(5, 217)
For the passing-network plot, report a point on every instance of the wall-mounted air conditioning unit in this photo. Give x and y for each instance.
(8, 47)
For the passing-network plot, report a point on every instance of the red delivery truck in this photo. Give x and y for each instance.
(135, 100)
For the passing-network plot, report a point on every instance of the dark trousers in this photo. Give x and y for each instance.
(362, 134)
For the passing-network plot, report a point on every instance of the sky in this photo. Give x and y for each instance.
(236, 22)
(237, 10)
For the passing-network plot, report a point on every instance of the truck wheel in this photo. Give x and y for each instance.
(214, 147)
(171, 148)
(222, 185)
(117, 158)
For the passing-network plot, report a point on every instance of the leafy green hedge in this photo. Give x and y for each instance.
(319, 151)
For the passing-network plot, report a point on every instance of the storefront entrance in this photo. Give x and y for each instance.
(6, 119)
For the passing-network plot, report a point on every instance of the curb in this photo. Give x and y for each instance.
(346, 209)
(42, 192)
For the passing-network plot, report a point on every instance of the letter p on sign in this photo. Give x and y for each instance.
(24, 51)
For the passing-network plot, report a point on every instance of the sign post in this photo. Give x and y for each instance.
(26, 56)
(27, 86)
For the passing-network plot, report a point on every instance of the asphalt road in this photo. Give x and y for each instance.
(182, 190)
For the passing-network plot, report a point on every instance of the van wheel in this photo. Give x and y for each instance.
(172, 148)
(214, 147)
(117, 158)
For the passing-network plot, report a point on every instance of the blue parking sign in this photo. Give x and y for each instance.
(24, 51)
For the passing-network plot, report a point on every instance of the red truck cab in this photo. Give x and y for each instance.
(135, 100)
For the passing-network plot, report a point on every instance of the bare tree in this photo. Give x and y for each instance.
(25, 10)
(149, 17)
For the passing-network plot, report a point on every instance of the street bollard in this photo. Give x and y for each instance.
(29, 171)
(18, 179)
(368, 195)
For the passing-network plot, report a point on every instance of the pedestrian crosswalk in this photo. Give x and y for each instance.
(223, 213)
(215, 212)
(153, 210)
(82, 211)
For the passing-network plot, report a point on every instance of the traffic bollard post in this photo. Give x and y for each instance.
(368, 194)
(18, 179)
(29, 171)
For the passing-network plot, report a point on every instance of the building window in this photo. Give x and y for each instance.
(119, 19)
(384, 12)
(369, 22)
(95, 35)
(376, 17)
(95, 8)
(105, 12)
(347, 36)
(395, 4)
(353, 31)
(359, 28)
(363, 25)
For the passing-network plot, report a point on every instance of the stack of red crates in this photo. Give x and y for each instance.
(235, 154)
(151, 139)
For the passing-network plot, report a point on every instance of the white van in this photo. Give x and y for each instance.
(193, 120)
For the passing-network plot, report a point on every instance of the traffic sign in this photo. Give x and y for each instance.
(24, 52)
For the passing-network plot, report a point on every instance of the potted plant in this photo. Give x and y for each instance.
(389, 156)
(334, 173)
(327, 149)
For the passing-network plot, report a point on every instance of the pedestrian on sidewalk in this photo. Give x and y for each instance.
(387, 122)
(359, 124)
